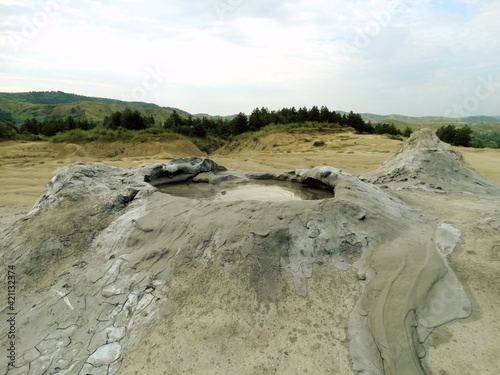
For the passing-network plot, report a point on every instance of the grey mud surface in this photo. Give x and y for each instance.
(117, 277)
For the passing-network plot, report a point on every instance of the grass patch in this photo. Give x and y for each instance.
(395, 137)
(293, 128)
(120, 134)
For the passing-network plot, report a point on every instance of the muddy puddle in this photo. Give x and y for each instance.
(260, 190)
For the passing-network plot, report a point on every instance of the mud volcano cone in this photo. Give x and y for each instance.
(119, 277)
(426, 163)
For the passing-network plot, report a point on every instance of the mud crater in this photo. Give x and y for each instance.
(260, 190)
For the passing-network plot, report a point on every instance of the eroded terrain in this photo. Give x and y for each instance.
(122, 278)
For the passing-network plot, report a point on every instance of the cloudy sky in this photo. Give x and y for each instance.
(425, 57)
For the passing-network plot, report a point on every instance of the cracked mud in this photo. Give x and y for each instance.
(113, 267)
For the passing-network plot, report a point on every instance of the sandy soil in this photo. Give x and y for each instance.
(468, 346)
(27, 167)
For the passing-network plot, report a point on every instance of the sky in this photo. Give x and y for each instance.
(221, 57)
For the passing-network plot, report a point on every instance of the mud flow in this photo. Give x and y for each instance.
(260, 190)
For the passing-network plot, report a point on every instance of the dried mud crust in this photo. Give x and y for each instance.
(144, 282)
(426, 163)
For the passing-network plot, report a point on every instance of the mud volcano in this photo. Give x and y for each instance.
(122, 276)
(265, 190)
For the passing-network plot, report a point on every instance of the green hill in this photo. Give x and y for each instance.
(16, 107)
(45, 106)
(480, 124)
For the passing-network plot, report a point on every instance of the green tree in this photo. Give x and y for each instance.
(407, 132)
(173, 121)
(114, 121)
(7, 130)
(336, 118)
(85, 124)
(6, 117)
(385, 128)
(324, 114)
(239, 124)
(313, 114)
(463, 136)
(302, 115)
(199, 129)
(258, 118)
(355, 121)
(150, 121)
(447, 133)
(477, 143)
(222, 128)
(32, 126)
(133, 120)
(457, 137)
(51, 127)
(70, 123)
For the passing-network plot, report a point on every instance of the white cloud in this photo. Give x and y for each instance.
(261, 53)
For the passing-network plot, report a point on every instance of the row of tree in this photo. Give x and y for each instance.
(225, 128)
(209, 126)
(456, 136)
(51, 126)
(128, 119)
(261, 117)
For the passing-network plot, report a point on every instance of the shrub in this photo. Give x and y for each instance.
(319, 143)
(395, 137)
(8, 131)
(407, 132)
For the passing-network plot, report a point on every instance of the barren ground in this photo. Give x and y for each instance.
(468, 346)
(26, 167)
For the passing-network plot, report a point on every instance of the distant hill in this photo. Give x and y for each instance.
(428, 119)
(482, 124)
(475, 119)
(16, 107)
(201, 115)
(407, 119)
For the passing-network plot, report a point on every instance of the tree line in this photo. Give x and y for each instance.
(262, 117)
(51, 126)
(202, 127)
(225, 128)
(458, 136)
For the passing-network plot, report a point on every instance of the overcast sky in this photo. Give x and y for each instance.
(408, 57)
